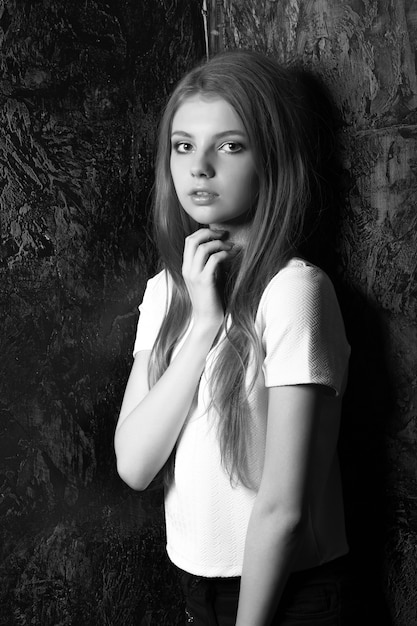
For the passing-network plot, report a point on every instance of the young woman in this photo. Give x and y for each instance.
(240, 357)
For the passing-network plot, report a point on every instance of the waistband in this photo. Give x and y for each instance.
(331, 569)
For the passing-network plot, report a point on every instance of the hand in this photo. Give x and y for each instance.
(204, 251)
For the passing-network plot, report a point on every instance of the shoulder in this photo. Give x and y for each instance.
(158, 287)
(298, 283)
(300, 301)
(157, 295)
(302, 329)
(159, 281)
(152, 311)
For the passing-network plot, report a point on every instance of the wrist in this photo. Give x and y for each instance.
(205, 330)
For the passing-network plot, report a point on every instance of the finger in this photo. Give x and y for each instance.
(205, 250)
(195, 244)
(203, 235)
(213, 263)
(195, 259)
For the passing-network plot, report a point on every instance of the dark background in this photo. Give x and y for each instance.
(82, 84)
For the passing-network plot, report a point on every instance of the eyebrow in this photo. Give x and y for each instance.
(225, 133)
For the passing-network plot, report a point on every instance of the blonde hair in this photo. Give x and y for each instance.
(266, 97)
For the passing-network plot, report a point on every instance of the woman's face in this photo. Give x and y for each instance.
(212, 162)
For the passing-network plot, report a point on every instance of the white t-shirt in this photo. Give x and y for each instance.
(303, 339)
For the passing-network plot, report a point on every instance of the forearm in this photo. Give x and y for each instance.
(270, 549)
(146, 436)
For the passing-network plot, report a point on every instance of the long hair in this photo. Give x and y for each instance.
(266, 97)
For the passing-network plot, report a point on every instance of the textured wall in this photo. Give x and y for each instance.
(81, 85)
(365, 54)
(81, 89)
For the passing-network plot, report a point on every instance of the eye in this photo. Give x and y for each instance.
(182, 147)
(231, 147)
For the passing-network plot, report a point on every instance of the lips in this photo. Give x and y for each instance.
(203, 196)
(202, 192)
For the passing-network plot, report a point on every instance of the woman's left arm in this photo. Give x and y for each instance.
(280, 512)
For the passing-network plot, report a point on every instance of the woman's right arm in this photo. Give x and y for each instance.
(151, 419)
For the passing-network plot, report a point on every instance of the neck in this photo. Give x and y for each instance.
(236, 233)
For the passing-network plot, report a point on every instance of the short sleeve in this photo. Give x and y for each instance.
(303, 334)
(152, 311)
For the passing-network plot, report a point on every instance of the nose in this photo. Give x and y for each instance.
(201, 167)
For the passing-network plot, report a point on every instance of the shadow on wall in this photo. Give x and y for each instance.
(369, 396)
(367, 406)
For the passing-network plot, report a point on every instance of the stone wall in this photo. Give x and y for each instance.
(81, 89)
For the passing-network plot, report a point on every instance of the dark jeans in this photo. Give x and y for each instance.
(313, 597)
